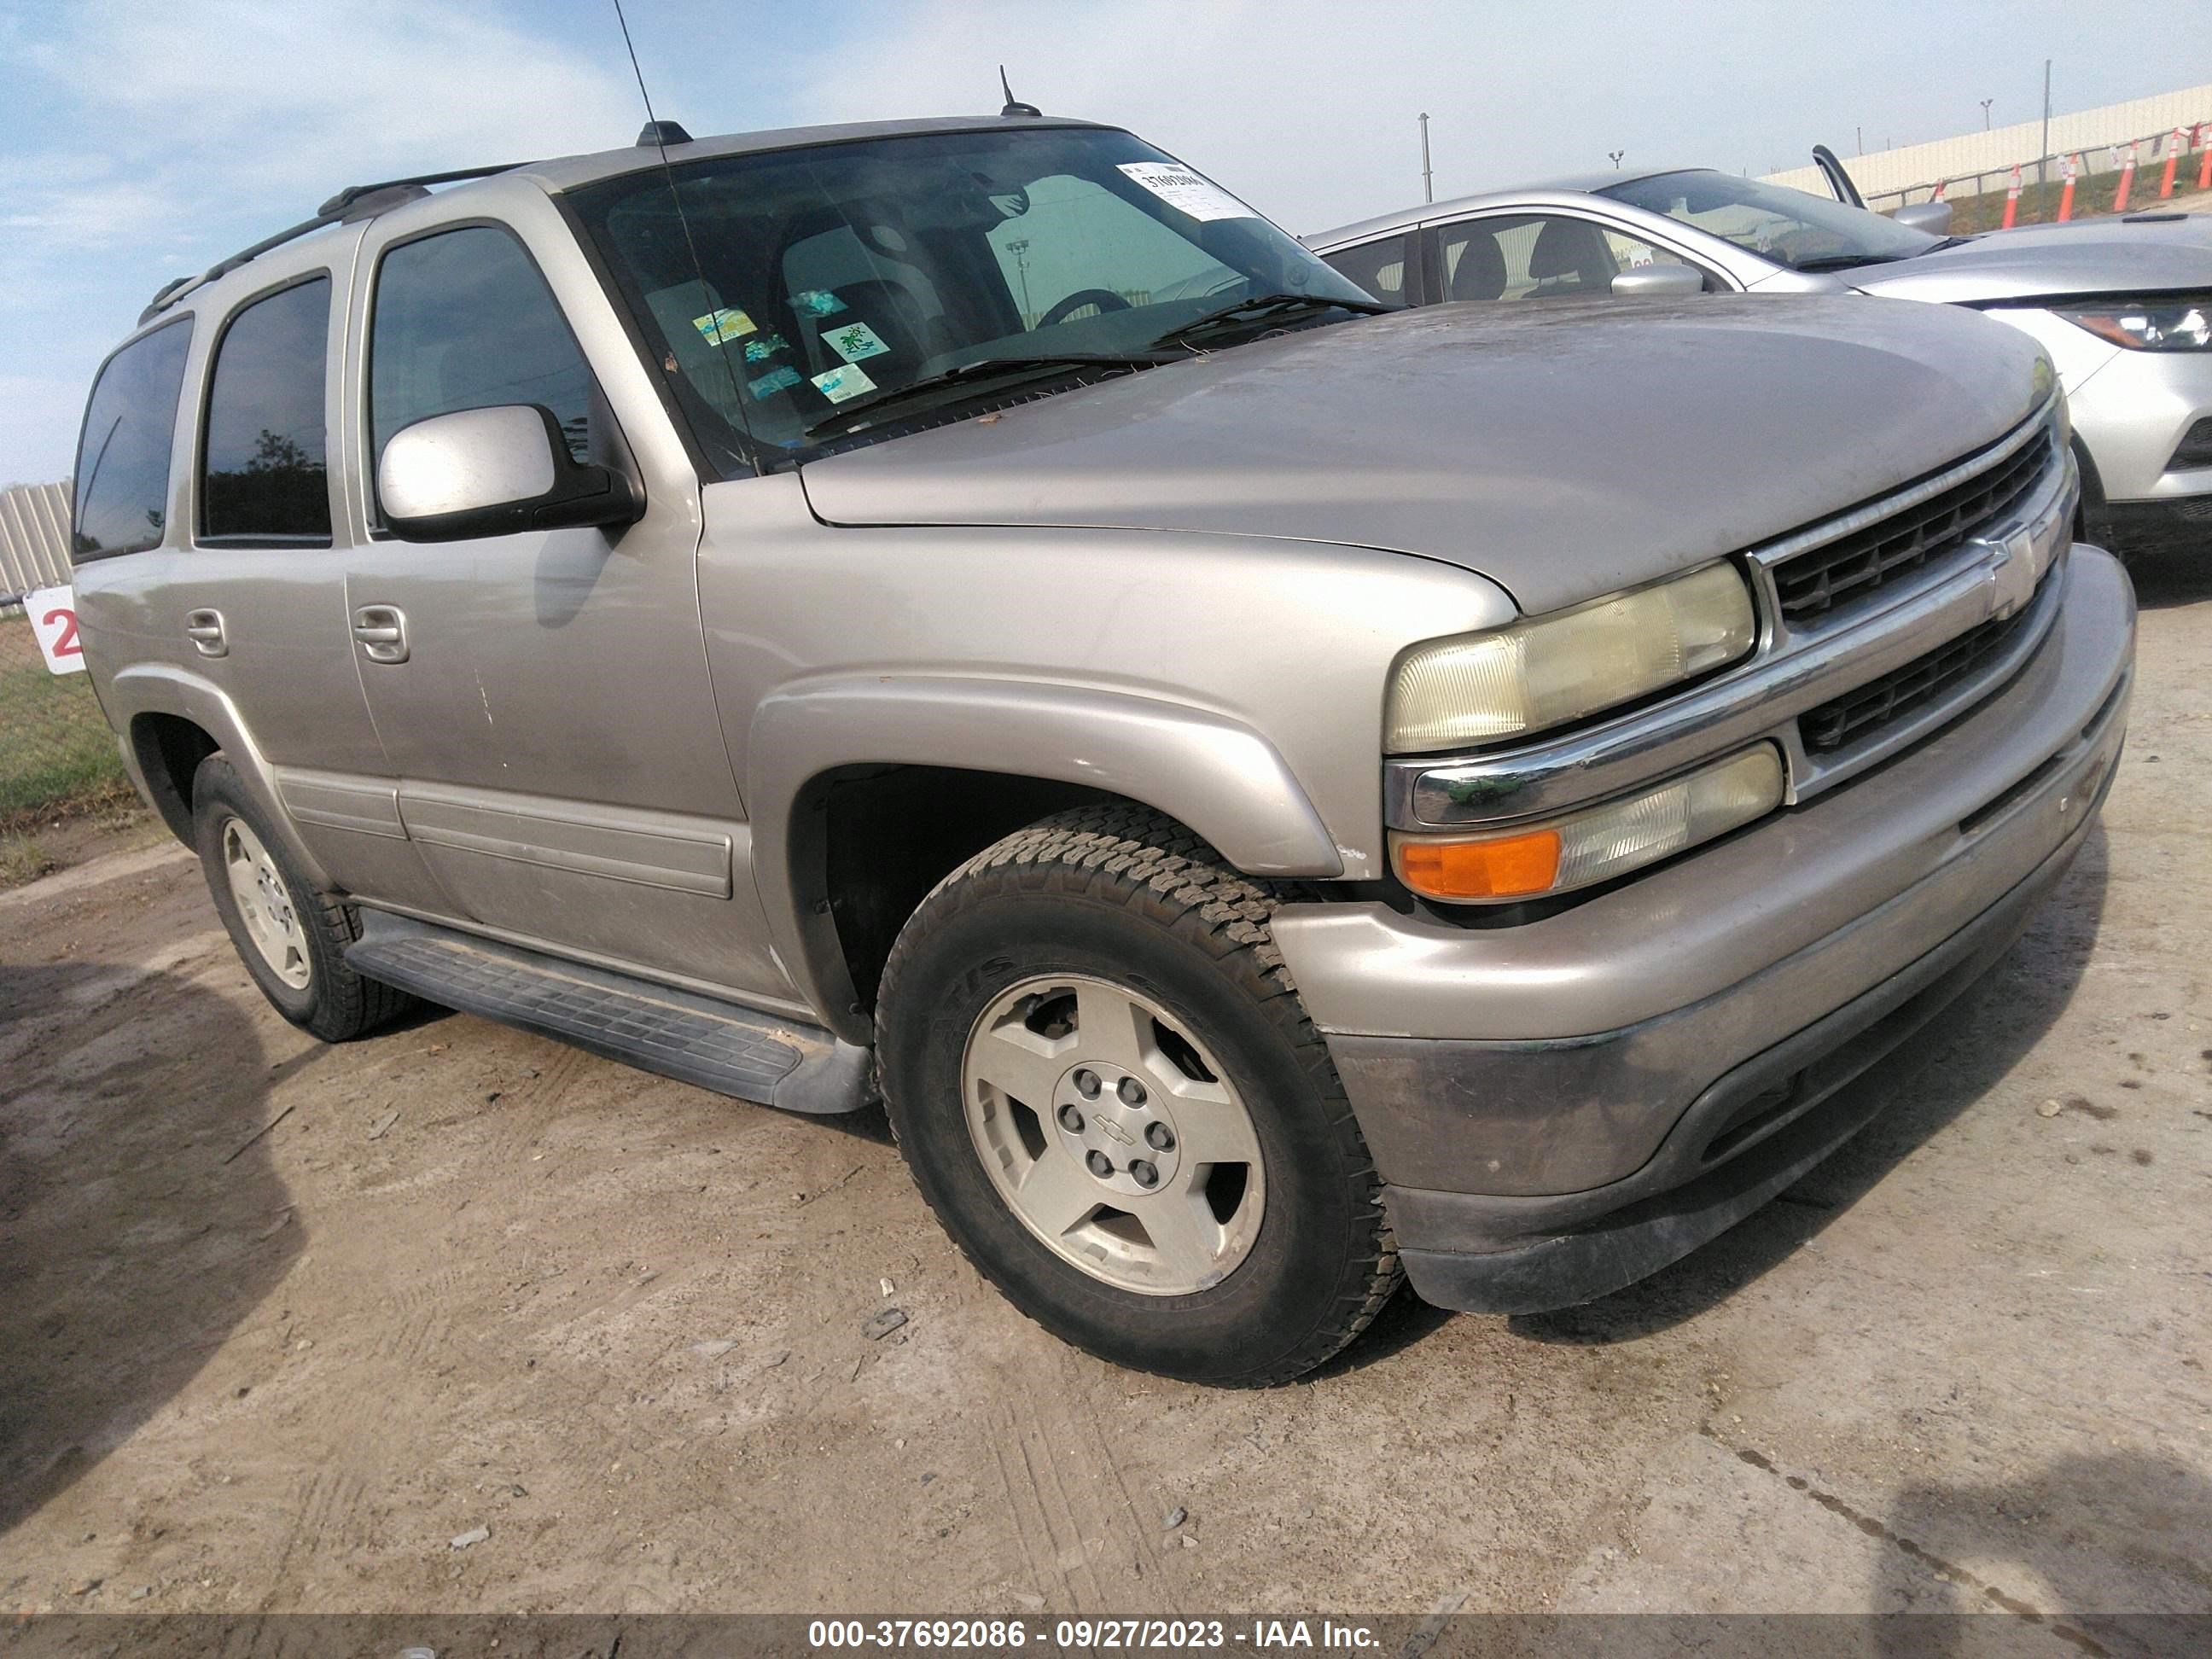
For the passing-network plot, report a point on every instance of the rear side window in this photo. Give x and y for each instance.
(123, 454)
(463, 320)
(263, 481)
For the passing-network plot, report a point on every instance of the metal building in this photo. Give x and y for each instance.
(34, 532)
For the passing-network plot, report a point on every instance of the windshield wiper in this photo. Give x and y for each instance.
(1849, 261)
(1260, 308)
(982, 369)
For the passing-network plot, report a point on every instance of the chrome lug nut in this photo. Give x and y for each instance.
(1159, 1137)
(1071, 1120)
(1144, 1174)
(1131, 1091)
(1086, 1083)
(1101, 1165)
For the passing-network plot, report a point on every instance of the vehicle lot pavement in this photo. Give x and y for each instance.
(469, 1278)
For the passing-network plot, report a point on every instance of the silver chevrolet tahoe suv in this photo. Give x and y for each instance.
(1273, 797)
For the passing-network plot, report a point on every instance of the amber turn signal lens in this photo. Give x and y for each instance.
(1508, 866)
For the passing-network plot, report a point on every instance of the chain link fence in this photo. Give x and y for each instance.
(1978, 199)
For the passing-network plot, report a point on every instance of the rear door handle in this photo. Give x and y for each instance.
(382, 631)
(204, 629)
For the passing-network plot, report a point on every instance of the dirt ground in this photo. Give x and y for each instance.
(283, 1323)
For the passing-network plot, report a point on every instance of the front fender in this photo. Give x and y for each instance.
(1219, 777)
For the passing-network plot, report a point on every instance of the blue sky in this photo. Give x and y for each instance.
(140, 139)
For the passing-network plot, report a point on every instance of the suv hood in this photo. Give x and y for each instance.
(2147, 254)
(1564, 450)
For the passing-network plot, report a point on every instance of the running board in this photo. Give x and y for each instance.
(716, 1045)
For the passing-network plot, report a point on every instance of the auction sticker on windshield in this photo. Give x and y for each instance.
(721, 324)
(839, 384)
(853, 342)
(1185, 191)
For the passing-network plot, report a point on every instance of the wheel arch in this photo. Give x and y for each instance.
(865, 793)
(172, 721)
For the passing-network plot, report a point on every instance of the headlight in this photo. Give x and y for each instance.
(2162, 325)
(1476, 688)
(1597, 843)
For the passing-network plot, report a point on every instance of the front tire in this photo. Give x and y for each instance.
(1109, 1091)
(291, 937)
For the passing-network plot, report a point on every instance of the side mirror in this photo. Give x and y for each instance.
(494, 472)
(1658, 283)
(1934, 217)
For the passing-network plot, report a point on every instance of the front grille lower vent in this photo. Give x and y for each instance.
(1902, 690)
(1850, 568)
(2195, 448)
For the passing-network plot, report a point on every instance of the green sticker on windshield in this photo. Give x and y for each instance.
(722, 325)
(816, 302)
(759, 351)
(853, 340)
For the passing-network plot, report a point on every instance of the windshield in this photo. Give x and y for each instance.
(1789, 227)
(841, 273)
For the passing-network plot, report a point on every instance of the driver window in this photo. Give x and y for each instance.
(463, 320)
(1074, 231)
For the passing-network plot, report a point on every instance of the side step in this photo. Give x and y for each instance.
(716, 1045)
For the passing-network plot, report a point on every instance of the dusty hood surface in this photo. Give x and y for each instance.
(2148, 254)
(1564, 450)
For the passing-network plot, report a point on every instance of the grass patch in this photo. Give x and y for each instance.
(22, 859)
(2093, 197)
(56, 753)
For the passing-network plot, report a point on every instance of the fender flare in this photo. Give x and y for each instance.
(164, 689)
(1220, 777)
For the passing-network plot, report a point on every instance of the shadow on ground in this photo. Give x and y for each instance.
(1934, 1077)
(2165, 580)
(141, 1220)
(2107, 1534)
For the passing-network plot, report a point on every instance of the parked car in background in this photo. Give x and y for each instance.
(2123, 305)
(1275, 797)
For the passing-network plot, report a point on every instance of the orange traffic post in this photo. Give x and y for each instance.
(2172, 160)
(2204, 167)
(2012, 200)
(2066, 196)
(2127, 179)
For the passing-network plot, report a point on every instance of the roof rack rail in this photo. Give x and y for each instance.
(354, 202)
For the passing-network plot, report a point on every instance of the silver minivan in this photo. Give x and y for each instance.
(1274, 797)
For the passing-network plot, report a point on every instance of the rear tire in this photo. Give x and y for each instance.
(291, 937)
(1224, 1107)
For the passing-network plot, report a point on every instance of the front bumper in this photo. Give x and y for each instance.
(1565, 1105)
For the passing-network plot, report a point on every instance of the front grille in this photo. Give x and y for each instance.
(1899, 692)
(2195, 448)
(1852, 567)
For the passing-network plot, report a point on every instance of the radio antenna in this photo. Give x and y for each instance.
(658, 132)
(1014, 106)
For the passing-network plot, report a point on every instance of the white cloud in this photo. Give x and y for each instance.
(310, 97)
(37, 427)
(183, 131)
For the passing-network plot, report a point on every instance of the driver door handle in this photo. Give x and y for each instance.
(381, 631)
